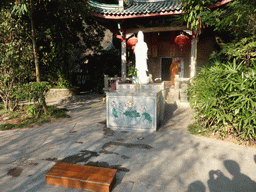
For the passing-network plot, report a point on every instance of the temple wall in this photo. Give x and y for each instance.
(205, 47)
(165, 47)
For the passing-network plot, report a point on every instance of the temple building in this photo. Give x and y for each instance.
(158, 19)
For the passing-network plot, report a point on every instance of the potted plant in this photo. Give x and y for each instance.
(133, 73)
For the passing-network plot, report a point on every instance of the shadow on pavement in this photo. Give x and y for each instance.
(168, 113)
(78, 102)
(219, 182)
(196, 186)
(176, 117)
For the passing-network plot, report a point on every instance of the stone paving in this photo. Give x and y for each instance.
(170, 159)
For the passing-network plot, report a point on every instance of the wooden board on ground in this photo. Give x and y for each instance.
(81, 177)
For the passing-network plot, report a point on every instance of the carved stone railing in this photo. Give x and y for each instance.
(108, 81)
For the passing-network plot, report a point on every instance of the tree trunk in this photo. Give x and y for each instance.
(5, 104)
(35, 51)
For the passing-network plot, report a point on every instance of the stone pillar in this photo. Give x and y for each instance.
(123, 57)
(193, 57)
(105, 83)
(177, 82)
(176, 88)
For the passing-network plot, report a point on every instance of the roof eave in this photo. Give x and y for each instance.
(121, 17)
(131, 16)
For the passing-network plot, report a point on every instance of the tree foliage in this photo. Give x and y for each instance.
(65, 31)
(238, 20)
(64, 34)
(194, 10)
(234, 23)
(15, 57)
(223, 92)
(108, 62)
(237, 17)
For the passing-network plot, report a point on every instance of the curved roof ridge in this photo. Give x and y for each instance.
(142, 8)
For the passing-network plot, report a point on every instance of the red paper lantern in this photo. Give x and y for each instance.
(132, 42)
(181, 40)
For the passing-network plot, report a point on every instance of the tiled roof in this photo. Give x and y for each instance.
(141, 8)
(138, 7)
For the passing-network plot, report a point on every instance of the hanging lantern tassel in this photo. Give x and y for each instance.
(133, 48)
(181, 40)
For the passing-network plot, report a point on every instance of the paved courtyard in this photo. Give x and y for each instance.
(170, 159)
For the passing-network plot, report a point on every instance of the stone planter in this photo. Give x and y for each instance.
(61, 92)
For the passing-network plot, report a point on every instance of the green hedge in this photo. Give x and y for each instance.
(224, 96)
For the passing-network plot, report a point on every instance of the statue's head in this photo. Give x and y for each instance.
(140, 36)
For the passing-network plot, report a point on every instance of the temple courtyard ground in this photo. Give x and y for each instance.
(170, 159)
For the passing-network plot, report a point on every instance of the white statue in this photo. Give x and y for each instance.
(141, 56)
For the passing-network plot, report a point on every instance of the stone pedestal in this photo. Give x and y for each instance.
(135, 109)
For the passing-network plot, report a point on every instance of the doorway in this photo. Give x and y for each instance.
(165, 68)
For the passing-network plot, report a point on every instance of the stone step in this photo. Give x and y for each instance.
(172, 95)
(172, 91)
(81, 177)
(175, 96)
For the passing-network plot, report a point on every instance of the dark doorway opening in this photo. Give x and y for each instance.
(165, 69)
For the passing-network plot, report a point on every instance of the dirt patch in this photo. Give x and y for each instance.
(26, 163)
(79, 142)
(5, 119)
(128, 145)
(108, 152)
(125, 157)
(54, 159)
(72, 131)
(108, 131)
(15, 172)
(106, 165)
(82, 156)
(124, 131)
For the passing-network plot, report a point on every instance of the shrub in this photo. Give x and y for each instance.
(34, 92)
(223, 95)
